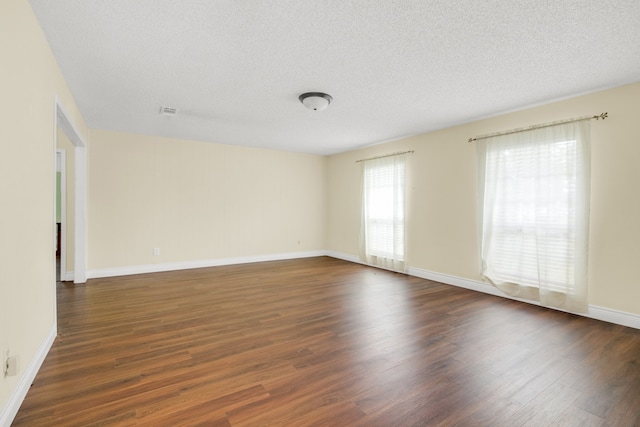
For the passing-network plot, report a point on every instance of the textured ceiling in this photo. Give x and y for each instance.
(234, 68)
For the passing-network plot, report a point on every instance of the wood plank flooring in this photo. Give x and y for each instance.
(324, 342)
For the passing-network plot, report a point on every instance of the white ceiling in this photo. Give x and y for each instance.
(234, 68)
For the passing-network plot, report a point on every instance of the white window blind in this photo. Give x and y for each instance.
(383, 212)
(535, 204)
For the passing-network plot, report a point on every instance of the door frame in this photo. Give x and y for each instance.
(61, 164)
(63, 121)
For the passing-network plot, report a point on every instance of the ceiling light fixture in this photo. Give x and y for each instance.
(315, 101)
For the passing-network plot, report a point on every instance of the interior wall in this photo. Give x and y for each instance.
(442, 229)
(29, 81)
(198, 201)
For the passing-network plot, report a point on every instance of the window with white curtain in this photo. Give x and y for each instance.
(383, 212)
(534, 194)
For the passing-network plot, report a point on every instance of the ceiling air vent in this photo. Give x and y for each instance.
(168, 111)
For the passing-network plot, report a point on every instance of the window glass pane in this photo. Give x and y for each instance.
(384, 207)
(533, 216)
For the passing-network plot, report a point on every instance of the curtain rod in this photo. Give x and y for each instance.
(386, 155)
(544, 125)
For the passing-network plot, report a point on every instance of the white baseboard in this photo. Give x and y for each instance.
(155, 268)
(461, 282)
(20, 392)
(599, 313)
(614, 316)
(344, 257)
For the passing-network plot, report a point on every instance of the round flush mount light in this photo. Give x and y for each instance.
(315, 101)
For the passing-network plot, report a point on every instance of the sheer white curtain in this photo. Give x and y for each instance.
(534, 205)
(382, 240)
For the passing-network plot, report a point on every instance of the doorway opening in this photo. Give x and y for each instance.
(61, 215)
(76, 156)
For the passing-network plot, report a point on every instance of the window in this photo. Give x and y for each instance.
(383, 205)
(535, 203)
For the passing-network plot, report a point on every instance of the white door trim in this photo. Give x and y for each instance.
(61, 156)
(63, 121)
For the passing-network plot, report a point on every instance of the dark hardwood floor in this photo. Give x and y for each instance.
(324, 342)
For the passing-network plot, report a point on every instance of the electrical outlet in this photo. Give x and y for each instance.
(156, 251)
(5, 357)
(13, 366)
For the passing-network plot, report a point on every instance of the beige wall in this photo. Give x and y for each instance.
(199, 201)
(29, 81)
(441, 224)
